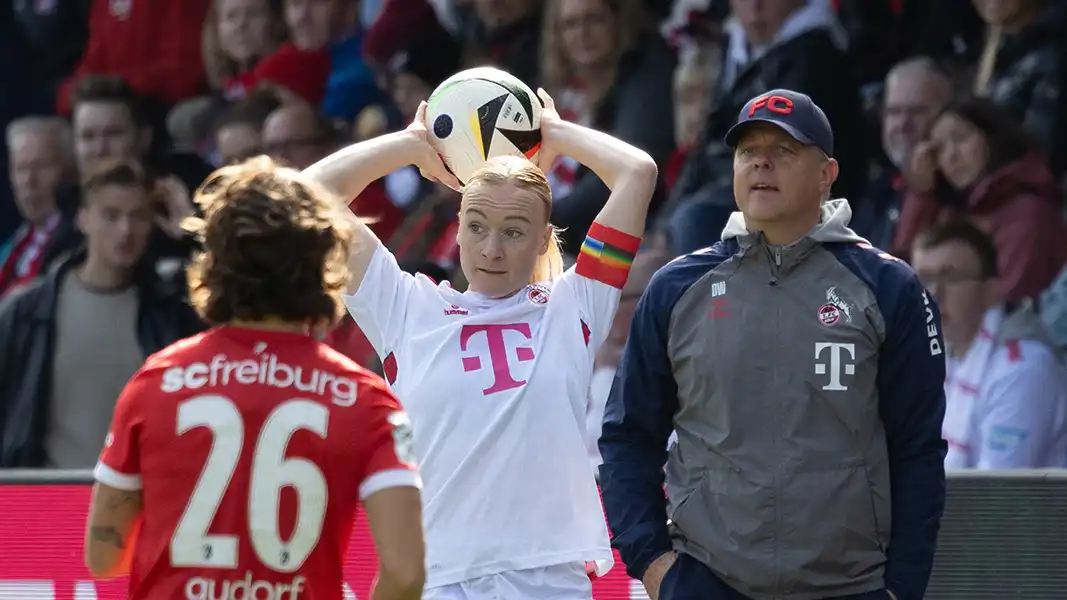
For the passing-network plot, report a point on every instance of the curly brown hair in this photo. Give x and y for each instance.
(272, 248)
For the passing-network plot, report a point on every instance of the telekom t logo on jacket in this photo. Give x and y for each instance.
(499, 360)
(839, 364)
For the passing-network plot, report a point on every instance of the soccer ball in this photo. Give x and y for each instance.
(481, 113)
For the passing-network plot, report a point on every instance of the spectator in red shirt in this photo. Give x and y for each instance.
(294, 74)
(400, 23)
(152, 44)
(322, 61)
(237, 34)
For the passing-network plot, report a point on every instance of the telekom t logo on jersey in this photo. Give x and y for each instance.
(498, 353)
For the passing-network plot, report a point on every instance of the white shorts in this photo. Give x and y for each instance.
(558, 582)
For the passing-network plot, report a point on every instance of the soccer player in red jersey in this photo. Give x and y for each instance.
(237, 458)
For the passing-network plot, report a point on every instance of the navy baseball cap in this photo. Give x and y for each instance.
(794, 112)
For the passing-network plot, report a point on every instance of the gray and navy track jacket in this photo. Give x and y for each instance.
(805, 383)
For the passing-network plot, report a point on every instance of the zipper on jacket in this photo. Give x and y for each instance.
(774, 262)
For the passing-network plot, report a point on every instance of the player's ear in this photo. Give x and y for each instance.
(81, 219)
(547, 239)
(828, 174)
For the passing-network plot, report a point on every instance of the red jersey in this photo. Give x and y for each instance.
(252, 450)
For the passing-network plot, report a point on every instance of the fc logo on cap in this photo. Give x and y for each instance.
(778, 104)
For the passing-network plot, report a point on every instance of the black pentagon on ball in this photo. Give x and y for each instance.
(442, 126)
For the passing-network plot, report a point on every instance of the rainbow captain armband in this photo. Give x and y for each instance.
(606, 255)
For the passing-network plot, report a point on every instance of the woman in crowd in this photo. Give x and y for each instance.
(237, 34)
(979, 163)
(608, 72)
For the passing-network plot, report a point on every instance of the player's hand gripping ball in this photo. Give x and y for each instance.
(481, 113)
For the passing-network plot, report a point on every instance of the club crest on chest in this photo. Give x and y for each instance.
(835, 309)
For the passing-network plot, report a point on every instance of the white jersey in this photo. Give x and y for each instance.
(496, 390)
(599, 389)
(1006, 403)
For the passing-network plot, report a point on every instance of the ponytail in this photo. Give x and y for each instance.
(549, 265)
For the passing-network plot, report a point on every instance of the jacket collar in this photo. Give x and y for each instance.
(832, 227)
(146, 280)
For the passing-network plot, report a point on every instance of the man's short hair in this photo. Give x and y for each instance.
(963, 232)
(57, 127)
(325, 131)
(272, 248)
(921, 63)
(252, 110)
(112, 89)
(123, 172)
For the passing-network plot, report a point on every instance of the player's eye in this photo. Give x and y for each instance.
(513, 233)
(786, 150)
(475, 227)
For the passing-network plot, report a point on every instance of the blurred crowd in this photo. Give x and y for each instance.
(950, 119)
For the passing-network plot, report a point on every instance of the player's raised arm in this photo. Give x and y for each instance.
(629, 172)
(347, 172)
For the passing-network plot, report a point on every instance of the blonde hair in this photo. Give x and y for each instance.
(526, 176)
(556, 70)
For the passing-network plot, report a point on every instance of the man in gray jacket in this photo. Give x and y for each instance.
(802, 370)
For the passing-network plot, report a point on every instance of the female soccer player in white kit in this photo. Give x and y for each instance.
(495, 379)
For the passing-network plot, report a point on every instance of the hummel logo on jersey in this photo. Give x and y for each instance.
(456, 310)
(718, 289)
(268, 370)
(838, 365)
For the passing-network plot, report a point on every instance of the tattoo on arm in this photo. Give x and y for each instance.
(108, 535)
(115, 511)
(124, 500)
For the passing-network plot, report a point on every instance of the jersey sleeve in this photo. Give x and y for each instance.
(119, 465)
(389, 459)
(1019, 412)
(381, 304)
(599, 275)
